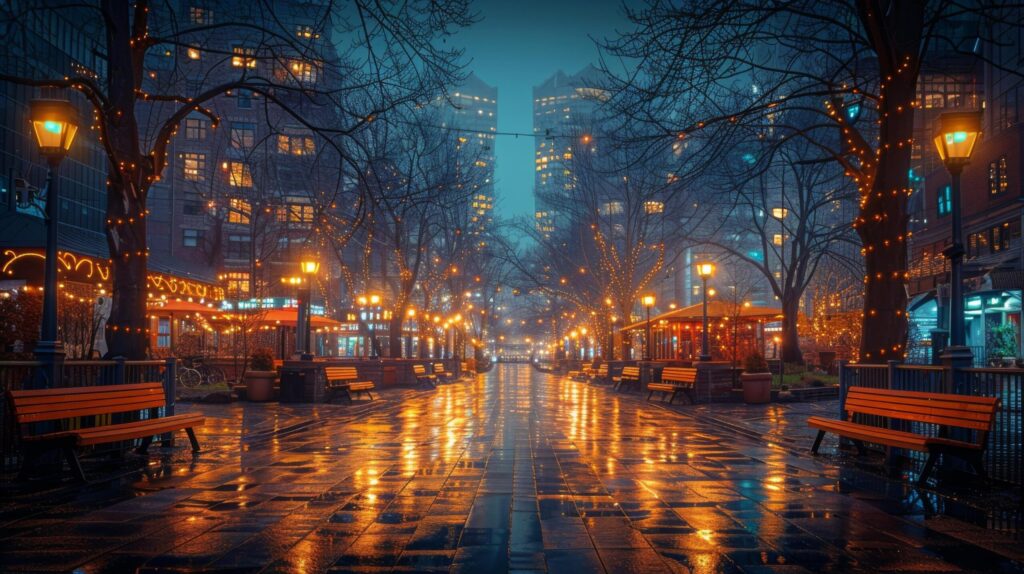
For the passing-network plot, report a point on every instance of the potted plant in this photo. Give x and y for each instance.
(1002, 342)
(756, 379)
(260, 377)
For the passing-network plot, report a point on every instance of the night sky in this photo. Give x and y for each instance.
(516, 45)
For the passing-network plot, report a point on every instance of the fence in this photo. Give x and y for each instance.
(15, 375)
(1004, 459)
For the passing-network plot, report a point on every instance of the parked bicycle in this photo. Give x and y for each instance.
(193, 372)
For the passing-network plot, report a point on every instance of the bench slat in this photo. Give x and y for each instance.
(871, 434)
(111, 433)
(57, 398)
(88, 409)
(921, 394)
(65, 391)
(915, 413)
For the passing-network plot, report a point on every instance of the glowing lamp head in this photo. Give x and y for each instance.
(55, 125)
(705, 270)
(957, 134)
(647, 300)
(411, 312)
(374, 299)
(583, 330)
(309, 266)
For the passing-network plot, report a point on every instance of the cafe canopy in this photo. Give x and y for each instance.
(734, 330)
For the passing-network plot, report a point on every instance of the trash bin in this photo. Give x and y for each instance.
(300, 384)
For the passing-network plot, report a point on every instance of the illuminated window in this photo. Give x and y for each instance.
(194, 166)
(306, 31)
(611, 208)
(239, 211)
(195, 129)
(944, 200)
(163, 332)
(243, 57)
(652, 207)
(998, 180)
(301, 70)
(296, 144)
(239, 174)
(243, 135)
(200, 15)
(297, 210)
(777, 239)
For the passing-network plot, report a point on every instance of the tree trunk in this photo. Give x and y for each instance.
(882, 227)
(791, 352)
(895, 35)
(395, 338)
(127, 327)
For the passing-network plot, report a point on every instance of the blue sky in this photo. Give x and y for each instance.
(516, 45)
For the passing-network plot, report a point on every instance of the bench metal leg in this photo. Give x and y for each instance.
(817, 441)
(673, 397)
(192, 439)
(977, 462)
(76, 467)
(649, 395)
(933, 457)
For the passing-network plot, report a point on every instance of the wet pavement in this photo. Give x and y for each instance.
(515, 471)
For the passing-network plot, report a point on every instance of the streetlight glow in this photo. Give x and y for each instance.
(705, 270)
(55, 126)
(957, 134)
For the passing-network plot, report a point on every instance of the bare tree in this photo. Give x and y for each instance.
(706, 68)
(388, 59)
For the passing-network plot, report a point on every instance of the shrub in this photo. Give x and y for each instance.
(755, 363)
(262, 359)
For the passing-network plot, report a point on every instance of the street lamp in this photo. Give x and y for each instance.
(705, 271)
(648, 302)
(309, 267)
(955, 140)
(54, 123)
(410, 315)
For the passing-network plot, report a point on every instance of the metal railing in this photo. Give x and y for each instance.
(1004, 459)
(16, 375)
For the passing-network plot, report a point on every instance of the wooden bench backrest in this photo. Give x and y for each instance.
(32, 406)
(631, 372)
(679, 375)
(419, 370)
(963, 411)
(602, 371)
(439, 368)
(341, 373)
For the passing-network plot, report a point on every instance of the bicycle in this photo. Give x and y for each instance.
(193, 372)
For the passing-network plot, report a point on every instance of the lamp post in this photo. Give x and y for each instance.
(648, 302)
(296, 281)
(309, 267)
(705, 271)
(410, 314)
(55, 125)
(955, 140)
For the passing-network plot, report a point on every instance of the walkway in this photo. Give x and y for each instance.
(516, 471)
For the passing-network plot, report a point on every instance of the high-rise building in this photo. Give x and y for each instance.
(472, 111)
(564, 108)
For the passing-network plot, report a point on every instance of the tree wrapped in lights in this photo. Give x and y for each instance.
(139, 97)
(708, 68)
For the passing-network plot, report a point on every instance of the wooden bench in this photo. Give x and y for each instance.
(46, 405)
(674, 380)
(600, 374)
(441, 373)
(630, 376)
(423, 377)
(975, 414)
(346, 379)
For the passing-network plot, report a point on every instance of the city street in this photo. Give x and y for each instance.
(517, 470)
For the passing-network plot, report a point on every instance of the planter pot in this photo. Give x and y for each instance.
(259, 385)
(757, 387)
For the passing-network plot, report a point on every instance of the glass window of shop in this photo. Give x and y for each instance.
(993, 321)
